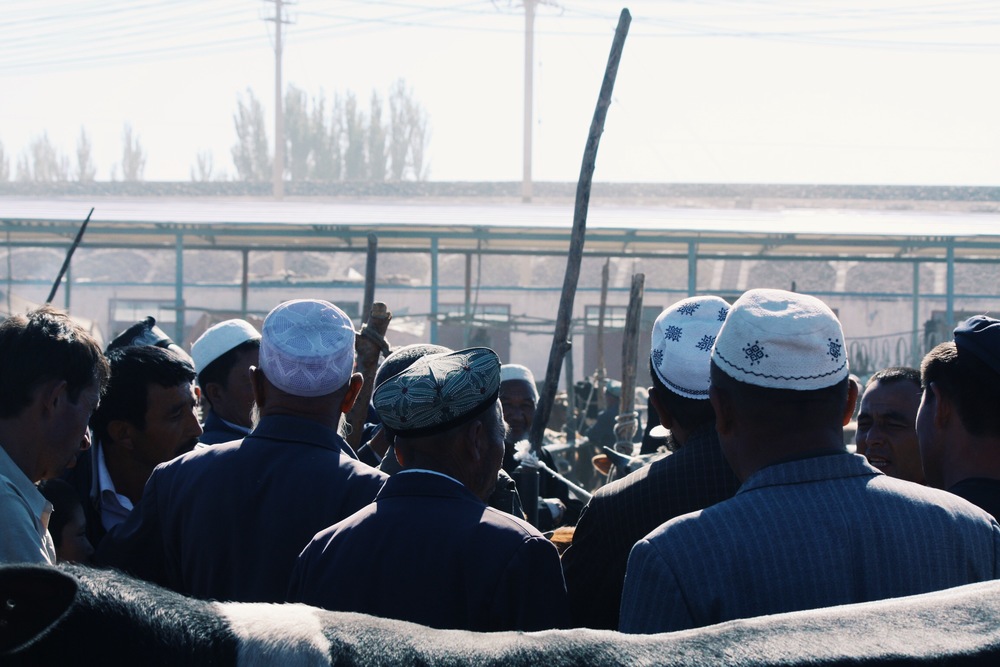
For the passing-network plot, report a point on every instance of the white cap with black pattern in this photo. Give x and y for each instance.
(782, 340)
(681, 345)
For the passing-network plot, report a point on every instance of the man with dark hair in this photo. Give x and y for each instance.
(958, 423)
(694, 476)
(148, 415)
(53, 376)
(887, 423)
(226, 522)
(811, 525)
(222, 357)
(450, 561)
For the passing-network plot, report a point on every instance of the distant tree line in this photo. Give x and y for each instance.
(325, 140)
(41, 161)
(333, 140)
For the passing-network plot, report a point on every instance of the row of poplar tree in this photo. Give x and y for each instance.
(334, 140)
(325, 140)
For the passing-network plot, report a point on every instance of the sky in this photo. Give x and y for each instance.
(714, 91)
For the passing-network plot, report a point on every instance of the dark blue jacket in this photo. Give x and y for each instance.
(216, 430)
(227, 522)
(449, 561)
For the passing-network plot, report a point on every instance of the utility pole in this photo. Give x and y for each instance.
(279, 113)
(529, 71)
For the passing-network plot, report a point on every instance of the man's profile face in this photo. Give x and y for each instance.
(887, 431)
(69, 434)
(233, 401)
(518, 403)
(171, 427)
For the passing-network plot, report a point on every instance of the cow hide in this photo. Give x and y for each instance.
(82, 616)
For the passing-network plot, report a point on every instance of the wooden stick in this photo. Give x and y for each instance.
(369, 298)
(625, 422)
(602, 366)
(560, 342)
(69, 256)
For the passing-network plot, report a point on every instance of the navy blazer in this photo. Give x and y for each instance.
(227, 522)
(814, 532)
(447, 560)
(216, 430)
(623, 512)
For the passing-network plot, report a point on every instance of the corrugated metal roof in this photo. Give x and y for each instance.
(500, 227)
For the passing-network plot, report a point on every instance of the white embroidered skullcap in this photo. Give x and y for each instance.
(219, 339)
(782, 340)
(681, 345)
(307, 347)
(519, 372)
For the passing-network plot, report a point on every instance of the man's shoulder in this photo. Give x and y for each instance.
(937, 499)
(507, 525)
(12, 499)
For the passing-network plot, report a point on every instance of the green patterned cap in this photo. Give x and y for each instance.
(439, 391)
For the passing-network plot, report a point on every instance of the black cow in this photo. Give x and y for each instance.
(79, 616)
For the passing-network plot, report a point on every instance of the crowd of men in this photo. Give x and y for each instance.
(224, 474)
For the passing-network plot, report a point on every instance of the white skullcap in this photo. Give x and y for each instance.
(782, 340)
(519, 372)
(307, 347)
(219, 339)
(681, 349)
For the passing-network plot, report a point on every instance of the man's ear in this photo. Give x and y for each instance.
(656, 400)
(258, 385)
(353, 389)
(402, 455)
(212, 391)
(852, 401)
(474, 442)
(943, 406)
(724, 412)
(50, 396)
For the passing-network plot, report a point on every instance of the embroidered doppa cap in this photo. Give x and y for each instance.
(438, 392)
(518, 372)
(980, 335)
(782, 340)
(681, 345)
(401, 359)
(219, 339)
(307, 347)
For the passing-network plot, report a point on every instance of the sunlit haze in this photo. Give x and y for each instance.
(768, 91)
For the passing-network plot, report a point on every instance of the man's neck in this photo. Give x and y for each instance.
(128, 475)
(21, 450)
(970, 456)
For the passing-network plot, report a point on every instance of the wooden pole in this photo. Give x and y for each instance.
(625, 422)
(370, 264)
(602, 366)
(69, 256)
(369, 344)
(560, 340)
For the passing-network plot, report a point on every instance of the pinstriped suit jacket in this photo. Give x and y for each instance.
(623, 512)
(810, 533)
